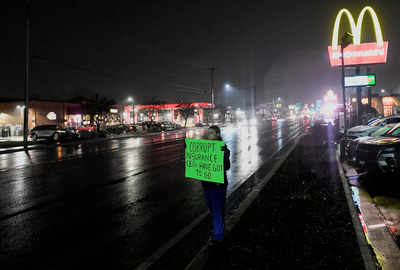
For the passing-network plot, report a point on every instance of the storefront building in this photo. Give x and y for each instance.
(165, 113)
(41, 112)
(115, 115)
(68, 114)
(386, 106)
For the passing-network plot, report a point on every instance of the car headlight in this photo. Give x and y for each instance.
(388, 160)
(389, 149)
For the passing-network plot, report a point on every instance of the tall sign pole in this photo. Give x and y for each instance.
(344, 96)
(27, 71)
(347, 39)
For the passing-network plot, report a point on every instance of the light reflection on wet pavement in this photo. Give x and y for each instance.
(77, 201)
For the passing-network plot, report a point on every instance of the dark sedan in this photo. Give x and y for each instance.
(381, 152)
(351, 145)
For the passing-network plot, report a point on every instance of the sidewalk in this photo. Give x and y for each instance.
(300, 220)
(380, 211)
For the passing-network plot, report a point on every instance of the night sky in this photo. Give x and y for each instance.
(162, 50)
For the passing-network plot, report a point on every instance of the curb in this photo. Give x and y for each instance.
(379, 234)
(200, 259)
(365, 248)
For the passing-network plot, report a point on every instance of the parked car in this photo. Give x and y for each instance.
(371, 120)
(131, 128)
(53, 132)
(167, 125)
(86, 128)
(116, 129)
(351, 145)
(87, 131)
(366, 130)
(382, 152)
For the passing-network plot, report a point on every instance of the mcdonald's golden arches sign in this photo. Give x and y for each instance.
(358, 53)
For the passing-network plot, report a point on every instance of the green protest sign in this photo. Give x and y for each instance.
(204, 160)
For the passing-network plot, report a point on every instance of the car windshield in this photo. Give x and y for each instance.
(377, 123)
(395, 132)
(382, 131)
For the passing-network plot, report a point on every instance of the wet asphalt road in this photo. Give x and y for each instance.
(112, 203)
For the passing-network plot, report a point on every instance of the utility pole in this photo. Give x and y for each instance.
(27, 71)
(253, 88)
(369, 90)
(212, 69)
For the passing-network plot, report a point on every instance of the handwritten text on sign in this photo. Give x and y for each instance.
(204, 160)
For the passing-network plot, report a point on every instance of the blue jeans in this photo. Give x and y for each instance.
(215, 196)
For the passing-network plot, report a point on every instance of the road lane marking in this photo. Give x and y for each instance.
(148, 262)
(376, 226)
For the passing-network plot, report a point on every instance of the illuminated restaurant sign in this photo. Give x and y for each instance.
(330, 96)
(51, 116)
(358, 53)
(360, 80)
(388, 101)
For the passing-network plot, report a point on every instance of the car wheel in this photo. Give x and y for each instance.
(35, 137)
(56, 137)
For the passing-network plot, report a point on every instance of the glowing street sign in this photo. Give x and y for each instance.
(330, 96)
(358, 53)
(360, 80)
(204, 160)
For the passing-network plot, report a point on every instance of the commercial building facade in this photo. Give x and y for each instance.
(73, 114)
(41, 112)
(166, 113)
(385, 105)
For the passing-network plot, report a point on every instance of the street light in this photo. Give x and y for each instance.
(130, 99)
(237, 90)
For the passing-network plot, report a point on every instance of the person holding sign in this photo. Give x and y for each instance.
(208, 160)
(215, 193)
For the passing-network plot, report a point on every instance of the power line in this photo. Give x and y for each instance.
(196, 90)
